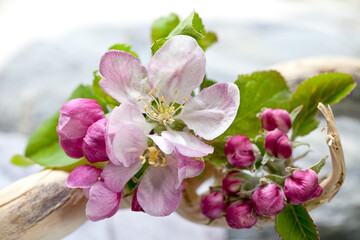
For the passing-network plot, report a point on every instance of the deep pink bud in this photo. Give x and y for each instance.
(278, 144)
(212, 205)
(240, 215)
(232, 183)
(135, 206)
(302, 186)
(76, 116)
(276, 118)
(239, 151)
(93, 146)
(268, 200)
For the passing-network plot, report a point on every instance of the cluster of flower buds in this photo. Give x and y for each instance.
(240, 200)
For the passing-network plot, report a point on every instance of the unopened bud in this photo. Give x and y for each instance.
(268, 200)
(302, 186)
(278, 144)
(240, 215)
(94, 147)
(232, 183)
(276, 118)
(213, 205)
(239, 151)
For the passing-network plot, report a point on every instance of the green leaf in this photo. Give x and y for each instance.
(162, 27)
(327, 88)
(43, 146)
(191, 26)
(218, 157)
(294, 223)
(21, 161)
(258, 90)
(125, 48)
(100, 93)
(206, 83)
(319, 165)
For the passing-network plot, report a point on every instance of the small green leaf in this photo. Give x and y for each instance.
(191, 26)
(21, 161)
(277, 179)
(218, 157)
(162, 27)
(43, 146)
(319, 165)
(267, 158)
(294, 223)
(206, 83)
(258, 90)
(327, 88)
(296, 144)
(125, 48)
(100, 93)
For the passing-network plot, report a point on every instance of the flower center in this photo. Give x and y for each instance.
(162, 111)
(154, 156)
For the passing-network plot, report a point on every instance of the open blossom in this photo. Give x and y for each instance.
(163, 95)
(81, 130)
(102, 202)
(302, 186)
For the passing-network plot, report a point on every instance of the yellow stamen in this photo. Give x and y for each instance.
(155, 90)
(151, 92)
(176, 91)
(185, 99)
(139, 99)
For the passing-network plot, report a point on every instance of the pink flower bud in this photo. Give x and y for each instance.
(276, 118)
(302, 186)
(239, 151)
(76, 116)
(213, 205)
(240, 215)
(278, 144)
(268, 200)
(135, 206)
(93, 146)
(232, 183)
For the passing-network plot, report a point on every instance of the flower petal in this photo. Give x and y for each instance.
(123, 115)
(178, 65)
(187, 144)
(128, 145)
(93, 146)
(157, 193)
(76, 116)
(164, 145)
(124, 77)
(115, 177)
(83, 176)
(212, 111)
(188, 167)
(102, 203)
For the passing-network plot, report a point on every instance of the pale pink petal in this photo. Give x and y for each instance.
(188, 167)
(187, 144)
(178, 65)
(86, 192)
(124, 77)
(83, 176)
(123, 115)
(128, 145)
(212, 111)
(93, 146)
(164, 145)
(158, 193)
(76, 116)
(102, 202)
(115, 177)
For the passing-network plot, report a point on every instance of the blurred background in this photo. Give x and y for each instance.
(48, 47)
